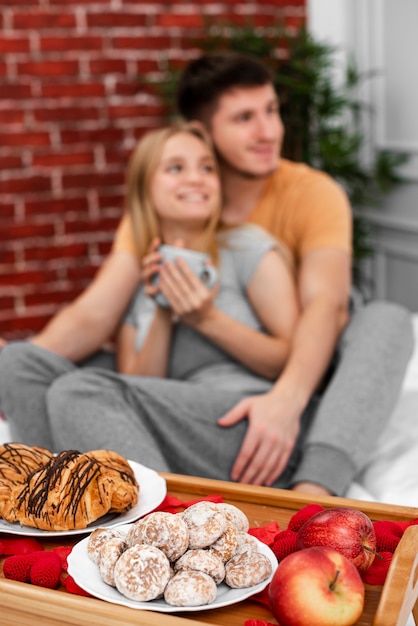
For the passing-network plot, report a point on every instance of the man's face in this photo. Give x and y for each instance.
(247, 130)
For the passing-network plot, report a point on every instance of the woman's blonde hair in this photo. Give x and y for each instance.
(142, 167)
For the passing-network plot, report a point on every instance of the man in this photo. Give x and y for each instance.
(233, 95)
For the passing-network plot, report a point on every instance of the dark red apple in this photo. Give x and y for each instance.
(347, 530)
(316, 587)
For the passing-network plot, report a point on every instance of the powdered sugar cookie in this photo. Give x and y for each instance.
(142, 573)
(108, 557)
(202, 561)
(247, 569)
(165, 531)
(190, 588)
(205, 523)
(227, 544)
(246, 543)
(235, 516)
(98, 538)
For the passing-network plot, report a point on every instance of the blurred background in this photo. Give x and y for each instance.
(80, 82)
(382, 37)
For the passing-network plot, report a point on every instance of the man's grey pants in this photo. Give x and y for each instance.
(171, 425)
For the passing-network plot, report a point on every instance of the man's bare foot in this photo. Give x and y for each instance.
(313, 488)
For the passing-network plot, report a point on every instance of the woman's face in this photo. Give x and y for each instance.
(185, 187)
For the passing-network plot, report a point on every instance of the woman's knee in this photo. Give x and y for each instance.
(13, 356)
(71, 389)
(17, 366)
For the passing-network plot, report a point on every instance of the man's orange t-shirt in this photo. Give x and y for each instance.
(302, 207)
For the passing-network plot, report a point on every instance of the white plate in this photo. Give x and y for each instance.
(86, 575)
(152, 491)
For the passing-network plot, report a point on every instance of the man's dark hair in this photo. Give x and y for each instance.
(206, 78)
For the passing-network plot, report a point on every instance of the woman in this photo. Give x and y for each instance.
(174, 195)
(197, 358)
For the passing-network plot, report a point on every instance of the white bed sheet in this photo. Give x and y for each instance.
(392, 473)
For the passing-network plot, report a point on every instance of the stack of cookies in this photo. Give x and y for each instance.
(182, 557)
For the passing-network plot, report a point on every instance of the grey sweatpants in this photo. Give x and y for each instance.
(355, 407)
(167, 425)
(171, 425)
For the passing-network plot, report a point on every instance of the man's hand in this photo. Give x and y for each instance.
(273, 427)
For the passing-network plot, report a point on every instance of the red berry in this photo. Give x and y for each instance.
(33, 557)
(24, 545)
(46, 571)
(284, 544)
(298, 519)
(17, 567)
(388, 535)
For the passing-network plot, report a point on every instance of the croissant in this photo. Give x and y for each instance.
(72, 490)
(120, 474)
(17, 461)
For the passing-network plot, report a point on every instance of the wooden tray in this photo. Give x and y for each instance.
(23, 604)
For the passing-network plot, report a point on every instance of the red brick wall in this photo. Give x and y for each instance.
(71, 108)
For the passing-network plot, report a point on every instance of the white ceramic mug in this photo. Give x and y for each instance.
(197, 261)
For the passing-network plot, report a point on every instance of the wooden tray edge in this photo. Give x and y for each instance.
(29, 602)
(282, 498)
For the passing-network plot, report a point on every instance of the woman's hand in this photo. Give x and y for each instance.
(150, 266)
(190, 300)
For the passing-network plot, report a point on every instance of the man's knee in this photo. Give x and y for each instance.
(384, 321)
(393, 324)
(390, 313)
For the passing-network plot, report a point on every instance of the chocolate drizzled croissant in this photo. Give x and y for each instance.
(17, 461)
(72, 490)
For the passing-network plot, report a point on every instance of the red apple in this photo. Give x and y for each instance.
(348, 531)
(316, 587)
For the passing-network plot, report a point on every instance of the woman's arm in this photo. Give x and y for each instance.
(80, 328)
(272, 294)
(152, 358)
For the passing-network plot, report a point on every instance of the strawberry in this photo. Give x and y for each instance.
(21, 545)
(298, 519)
(284, 544)
(17, 567)
(376, 574)
(46, 571)
(386, 541)
(388, 535)
(62, 552)
(72, 587)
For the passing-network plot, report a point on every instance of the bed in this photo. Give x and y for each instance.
(391, 475)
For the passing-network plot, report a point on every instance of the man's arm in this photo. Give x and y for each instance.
(324, 288)
(324, 283)
(80, 328)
